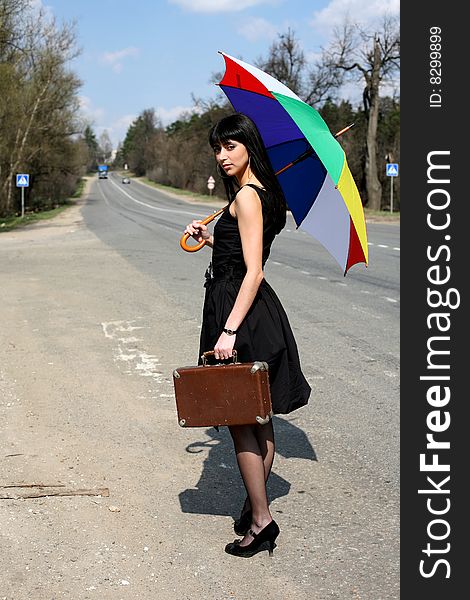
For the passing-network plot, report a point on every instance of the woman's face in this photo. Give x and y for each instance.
(232, 156)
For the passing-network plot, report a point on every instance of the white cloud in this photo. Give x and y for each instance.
(360, 11)
(114, 59)
(124, 122)
(168, 115)
(117, 130)
(97, 116)
(90, 112)
(257, 28)
(209, 6)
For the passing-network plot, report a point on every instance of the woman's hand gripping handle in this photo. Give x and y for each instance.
(198, 231)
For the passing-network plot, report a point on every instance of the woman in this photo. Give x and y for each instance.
(242, 312)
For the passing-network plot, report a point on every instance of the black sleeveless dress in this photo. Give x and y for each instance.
(265, 333)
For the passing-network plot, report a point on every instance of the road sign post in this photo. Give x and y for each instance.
(391, 171)
(22, 181)
(210, 184)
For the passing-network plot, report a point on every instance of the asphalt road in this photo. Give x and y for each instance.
(347, 328)
(98, 309)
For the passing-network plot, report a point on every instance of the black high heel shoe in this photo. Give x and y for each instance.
(243, 524)
(264, 540)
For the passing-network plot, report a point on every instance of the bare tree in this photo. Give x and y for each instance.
(323, 83)
(105, 147)
(285, 61)
(373, 58)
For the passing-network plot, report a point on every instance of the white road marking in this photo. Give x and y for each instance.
(366, 312)
(138, 360)
(118, 326)
(159, 208)
(147, 362)
(382, 246)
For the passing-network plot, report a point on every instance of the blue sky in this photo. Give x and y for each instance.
(138, 54)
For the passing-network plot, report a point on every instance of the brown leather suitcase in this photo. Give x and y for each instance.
(222, 394)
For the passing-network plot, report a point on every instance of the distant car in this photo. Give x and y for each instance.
(126, 180)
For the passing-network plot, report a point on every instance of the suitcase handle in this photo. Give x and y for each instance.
(212, 352)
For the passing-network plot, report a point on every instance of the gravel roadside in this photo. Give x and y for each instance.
(89, 345)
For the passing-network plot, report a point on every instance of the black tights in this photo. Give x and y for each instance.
(254, 447)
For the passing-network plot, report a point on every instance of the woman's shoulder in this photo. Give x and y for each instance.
(258, 188)
(247, 194)
(247, 201)
(252, 197)
(251, 192)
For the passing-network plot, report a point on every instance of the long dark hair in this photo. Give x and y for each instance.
(242, 129)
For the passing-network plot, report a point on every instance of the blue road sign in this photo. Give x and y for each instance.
(22, 180)
(392, 169)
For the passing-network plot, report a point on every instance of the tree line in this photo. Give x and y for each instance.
(43, 133)
(178, 155)
(41, 130)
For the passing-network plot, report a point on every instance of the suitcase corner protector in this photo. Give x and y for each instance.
(259, 366)
(176, 375)
(263, 421)
(182, 422)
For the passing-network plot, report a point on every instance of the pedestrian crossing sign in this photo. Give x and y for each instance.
(22, 180)
(392, 169)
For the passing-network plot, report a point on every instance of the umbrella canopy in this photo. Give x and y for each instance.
(319, 188)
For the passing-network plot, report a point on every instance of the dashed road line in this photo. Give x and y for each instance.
(322, 278)
(383, 246)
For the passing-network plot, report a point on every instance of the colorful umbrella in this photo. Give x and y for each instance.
(318, 186)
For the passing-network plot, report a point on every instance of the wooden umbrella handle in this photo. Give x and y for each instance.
(186, 236)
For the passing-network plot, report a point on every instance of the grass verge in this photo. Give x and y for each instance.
(16, 221)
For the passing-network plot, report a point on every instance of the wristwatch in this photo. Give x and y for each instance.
(229, 331)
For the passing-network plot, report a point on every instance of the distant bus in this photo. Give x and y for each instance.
(102, 171)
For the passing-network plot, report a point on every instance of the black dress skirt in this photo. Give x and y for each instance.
(265, 333)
